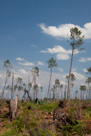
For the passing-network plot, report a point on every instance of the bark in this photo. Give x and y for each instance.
(19, 94)
(49, 83)
(65, 94)
(81, 94)
(6, 79)
(89, 91)
(28, 85)
(68, 94)
(61, 94)
(12, 85)
(36, 94)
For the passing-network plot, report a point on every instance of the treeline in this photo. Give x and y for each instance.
(57, 92)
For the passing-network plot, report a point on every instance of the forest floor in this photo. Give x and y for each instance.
(59, 118)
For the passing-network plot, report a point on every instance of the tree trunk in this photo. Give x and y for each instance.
(68, 94)
(61, 93)
(19, 95)
(87, 94)
(49, 83)
(89, 91)
(12, 85)
(36, 94)
(28, 85)
(6, 79)
(65, 91)
(81, 94)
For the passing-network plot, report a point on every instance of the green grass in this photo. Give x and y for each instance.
(46, 107)
(11, 132)
(33, 121)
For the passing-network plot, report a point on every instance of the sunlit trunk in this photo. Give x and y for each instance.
(68, 95)
(12, 85)
(6, 79)
(49, 83)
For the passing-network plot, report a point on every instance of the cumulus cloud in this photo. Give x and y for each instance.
(85, 70)
(40, 63)
(62, 54)
(62, 30)
(63, 83)
(0, 76)
(84, 59)
(26, 64)
(79, 76)
(57, 49)
(23, 71)
(20, 59)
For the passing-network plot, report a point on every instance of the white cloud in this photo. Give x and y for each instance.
(85, 70)
(0, 76)
(20, 59)
(79, 76)
(16, 75)
(57, 49)
(60, 69)
(62, 30)
(63, 83)
(22, 71)
(40, 63)
(26, 63)
(62, 54)
(84, 59)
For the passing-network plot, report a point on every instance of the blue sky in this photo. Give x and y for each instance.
(28, 28)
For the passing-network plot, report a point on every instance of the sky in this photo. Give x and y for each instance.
(34, 31)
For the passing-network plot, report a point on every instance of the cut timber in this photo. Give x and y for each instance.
(13, 107)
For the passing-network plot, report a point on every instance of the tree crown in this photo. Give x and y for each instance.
(89, 70)
(83, 87)
(76, 40)
(7, 64)
(52, 63)
(35, 70)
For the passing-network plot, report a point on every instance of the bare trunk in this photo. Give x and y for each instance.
(28, 85)
(65, 91)
(87, 94)
(53, 94)
(36, 94)
(68, 94)
(58, 93)
(40, 95)
(6, 79)
(49, 83)
(19, 95)
(61, 94)
(12, 85)
(89, 91)
(81, 94)
(16, 101)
